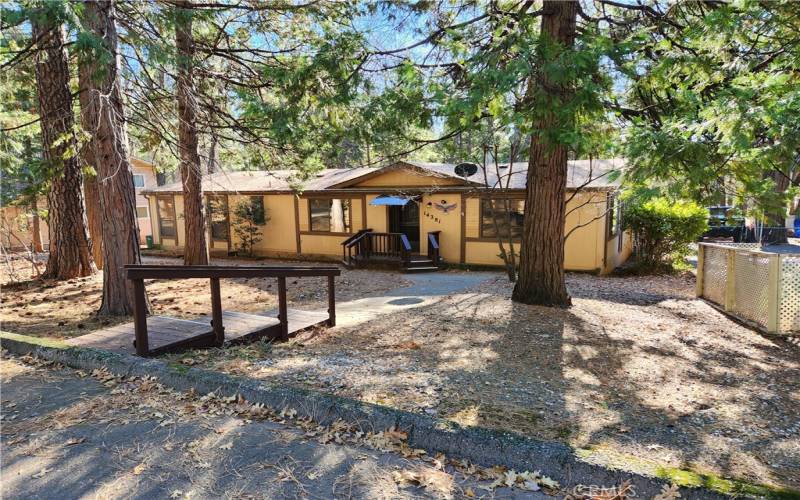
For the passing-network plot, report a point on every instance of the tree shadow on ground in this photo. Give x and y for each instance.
(86, 440)
(665, 382)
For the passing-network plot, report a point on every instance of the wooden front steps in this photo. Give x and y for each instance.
(420, 264)
(167, 334)
(367, 248)
(416, 264)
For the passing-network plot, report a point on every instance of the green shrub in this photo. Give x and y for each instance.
(663, 229)
(249, 216)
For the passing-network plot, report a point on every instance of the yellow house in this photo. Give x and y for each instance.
(409, 212)
(144, 178)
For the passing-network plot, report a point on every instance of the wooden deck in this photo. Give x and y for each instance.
(172, 334)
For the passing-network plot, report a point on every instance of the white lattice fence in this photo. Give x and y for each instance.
(751, 290)
(715, 269)
(790, 294)
(751, 284)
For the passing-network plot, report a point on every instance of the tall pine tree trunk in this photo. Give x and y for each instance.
(541, 268)
(70, 248)
(105, 116)
(195, 250)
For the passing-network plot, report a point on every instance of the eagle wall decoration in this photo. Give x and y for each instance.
(444, 207)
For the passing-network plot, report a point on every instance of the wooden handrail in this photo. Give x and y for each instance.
(354, 241)
(381, 245)
(136, 272)
(139, 273)
(406, 251)
(356, 236)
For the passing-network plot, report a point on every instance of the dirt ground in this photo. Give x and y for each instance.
(638, 373)
(67, 309)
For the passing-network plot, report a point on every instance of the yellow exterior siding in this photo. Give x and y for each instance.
(278, 234)
(180, 223)
(17, 226)
(614, 255)
(377, 217)
(434, 219)
(148, 173)
(151, 203)
(583, 250)
(303, 214)
(407, 178)
(320, 244)
(473, 216)
(357, 215)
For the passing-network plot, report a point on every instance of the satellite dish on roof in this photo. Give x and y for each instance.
(466, 169)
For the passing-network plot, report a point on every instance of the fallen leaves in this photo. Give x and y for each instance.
(428, 478)
(409, 344)
(147, 399)
(668, 493)
(42, 473)
(527, 481)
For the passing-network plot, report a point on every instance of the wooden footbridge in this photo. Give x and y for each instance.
(160, 334)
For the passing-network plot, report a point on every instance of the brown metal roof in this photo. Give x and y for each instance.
(580, 173)
(593, 174)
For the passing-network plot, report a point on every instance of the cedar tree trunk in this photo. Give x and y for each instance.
(90, 189)
(541, 268)
(70, 248)
(92, 194)
(195, 250)
(105, 114)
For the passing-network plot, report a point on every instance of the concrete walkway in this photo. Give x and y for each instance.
(70, 437)
(425, 289)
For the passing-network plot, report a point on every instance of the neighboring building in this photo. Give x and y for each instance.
(410, 198)
(16, 222)
(16, 227)
(144, 178)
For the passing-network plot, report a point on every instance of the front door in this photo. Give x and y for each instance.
(405, 220)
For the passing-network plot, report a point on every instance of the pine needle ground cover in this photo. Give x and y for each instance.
(638, 374)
